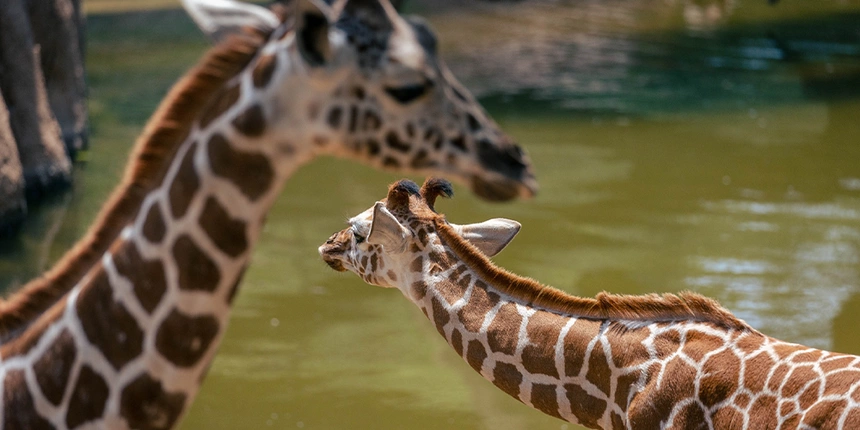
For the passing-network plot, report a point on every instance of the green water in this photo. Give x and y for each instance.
(709, 146)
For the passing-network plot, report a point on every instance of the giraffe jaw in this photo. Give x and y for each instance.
(503, 189)
(334, 264)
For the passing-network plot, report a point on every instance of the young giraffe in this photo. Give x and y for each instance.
(121, 333)
(612, 362)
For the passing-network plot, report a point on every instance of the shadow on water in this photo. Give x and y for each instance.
(704, 145)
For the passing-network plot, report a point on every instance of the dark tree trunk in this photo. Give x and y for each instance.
(43, 88)
(57, 31)
(12, 204)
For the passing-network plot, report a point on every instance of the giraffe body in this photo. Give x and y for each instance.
(613, 362)
(122, 332)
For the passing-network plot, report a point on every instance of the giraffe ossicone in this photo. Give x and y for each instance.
(610, 362)
(120, 333)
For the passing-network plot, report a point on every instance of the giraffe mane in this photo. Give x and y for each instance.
(684, 306)
(166, 129)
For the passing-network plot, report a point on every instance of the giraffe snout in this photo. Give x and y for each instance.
(514, 176)
(332, 251)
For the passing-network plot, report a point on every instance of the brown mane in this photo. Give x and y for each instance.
(166, 130)
(651, 307)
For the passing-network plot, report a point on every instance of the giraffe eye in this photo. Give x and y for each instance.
(358, 238)
(408, 93)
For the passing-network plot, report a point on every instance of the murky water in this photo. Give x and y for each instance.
(701, 145)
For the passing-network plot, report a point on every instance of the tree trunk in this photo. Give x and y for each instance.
(42, 153)
(57, 30)
(12, 204)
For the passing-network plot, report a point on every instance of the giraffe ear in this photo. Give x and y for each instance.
(491, 236)
(385, 230)
(220, 18)
(312, 25)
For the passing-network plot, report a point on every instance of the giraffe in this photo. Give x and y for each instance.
(610, 362)
(121, 332)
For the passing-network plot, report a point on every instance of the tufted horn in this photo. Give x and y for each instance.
(399, 192)
(435, 187)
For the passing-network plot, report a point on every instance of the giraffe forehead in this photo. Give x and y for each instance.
(361, 223)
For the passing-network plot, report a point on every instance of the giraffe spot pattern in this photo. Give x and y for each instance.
(251, 172)
(587, 408)
(502, 332)
(545, 400)
(754, 379)
(440, 315)
(185, 184)
(393, 141)
(148, 278)
(599, 372)
(183, 340)
(19, 411)
(219, 104)
(575, 343)
(335, 115)
(625, 384)
(107, 323)
(691, 417)
(763, 411)
(228, 234)
(457, 341)
(419, 290)
(698, 344)
(251, 122)
(147, 406)
(543, 328)
(153, 226)
(88, 399)
(722, 373)
(507, 378)
(449, 291)
(199, 272)
(52, 369)
(476, 354)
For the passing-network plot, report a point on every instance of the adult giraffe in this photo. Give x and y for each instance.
(610, 362)
(120, 333)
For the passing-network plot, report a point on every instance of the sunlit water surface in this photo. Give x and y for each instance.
(705, 146)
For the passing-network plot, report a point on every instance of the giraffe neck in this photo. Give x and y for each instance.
(131, 342)
(550, 361)
(620, 370)
(576, 366)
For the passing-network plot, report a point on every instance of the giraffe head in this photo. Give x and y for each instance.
(382, 243)
(360, 81)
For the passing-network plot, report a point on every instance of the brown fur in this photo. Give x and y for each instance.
(651, 307)
(153, 152)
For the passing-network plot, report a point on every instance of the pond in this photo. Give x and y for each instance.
(680, 145)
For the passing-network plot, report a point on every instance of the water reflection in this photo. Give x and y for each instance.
(647, 57)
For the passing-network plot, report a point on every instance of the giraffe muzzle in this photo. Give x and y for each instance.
(329, 251)
(514, 175)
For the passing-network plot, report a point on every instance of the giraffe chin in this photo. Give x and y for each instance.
(502, 190)
(334, 264)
